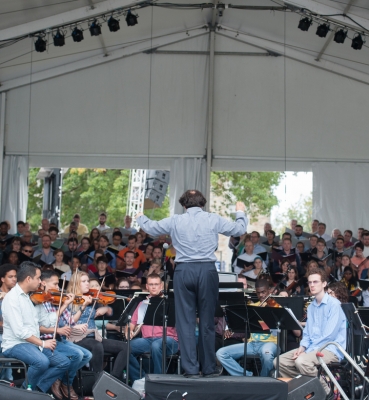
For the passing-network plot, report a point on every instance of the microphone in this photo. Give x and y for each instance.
(165, 247)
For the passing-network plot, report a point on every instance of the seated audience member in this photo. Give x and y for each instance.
(290, 281)
(92, 268)
(326, 323)
(102, 223)
(75, 265)
(103, 245)
(122, 284)
(345, 262)
(270, 235)
(102, 272)
(261, 344)
(59, 263)
(314, 226)
(78, 356)
(117, 240)
(248, 256)
(151, 340)
(21, 337)
(321, 232)
(8, 279)
(80, 285)
(349, 279)
(131, 246)
(258, 268)
(46, 251)
(347, 236)
(13, 258)
(359, 262)
(287, 250)
(94, 234)
(339, 291)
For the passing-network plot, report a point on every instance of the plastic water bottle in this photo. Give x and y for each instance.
(29, 387)
(124, 376)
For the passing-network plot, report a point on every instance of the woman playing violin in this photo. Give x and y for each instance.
(80, 284)
(292, 277)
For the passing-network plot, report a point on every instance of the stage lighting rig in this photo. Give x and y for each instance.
(357, 42)
(131, 19)
(40, 45)
(322, 30)
(113, 24)
(340, 36)
(59, 39)
(95, 28)
(305, 23)
(77, 35)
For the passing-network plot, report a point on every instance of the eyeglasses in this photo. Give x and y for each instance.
(153, 284)
(313, 283)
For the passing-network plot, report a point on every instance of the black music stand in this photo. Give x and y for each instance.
(356, 328)
(238, 317)
(278, 318)
(125, 319)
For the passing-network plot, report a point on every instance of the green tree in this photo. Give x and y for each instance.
(302, 211)
(89, 192)
(255, 189)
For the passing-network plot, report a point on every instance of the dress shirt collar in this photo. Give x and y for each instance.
(19, 290)
(194, 210)
(324, 300)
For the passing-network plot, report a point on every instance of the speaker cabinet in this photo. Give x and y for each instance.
(107, 388)
(305, 388)
(12, 393)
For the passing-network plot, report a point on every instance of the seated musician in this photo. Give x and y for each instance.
(78, 355)
(21, 337)
(151, 340)
(287, 250)
(326, 323)
(261, 344)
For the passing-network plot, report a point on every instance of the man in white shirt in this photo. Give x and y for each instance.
(321, 232)
(21, 337)
(102, 222)
(314, 226)
(249, 256)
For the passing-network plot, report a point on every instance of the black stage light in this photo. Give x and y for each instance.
(322, 30)
(340, 36)
(40, 45)
(131, 19)
(77, 35)
(113, 24)
(357, 42)
(305, 23)
(95, 29)
(59, 39)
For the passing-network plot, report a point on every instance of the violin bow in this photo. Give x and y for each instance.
(74, 291)
(60, 301)
(92, 308)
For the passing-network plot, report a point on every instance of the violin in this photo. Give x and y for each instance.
(40, 296)
(78, 300)
(105, 298)
(272, 303)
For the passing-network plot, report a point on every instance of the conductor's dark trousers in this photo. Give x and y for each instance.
(196, 288)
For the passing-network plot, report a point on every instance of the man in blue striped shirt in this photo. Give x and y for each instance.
(326, 323)
(195, 237)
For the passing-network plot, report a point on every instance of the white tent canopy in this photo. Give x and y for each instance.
(244, 90)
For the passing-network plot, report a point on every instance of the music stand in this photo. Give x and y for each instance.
(356, 328)
(238, 317)
(125, 319)
(278, 318)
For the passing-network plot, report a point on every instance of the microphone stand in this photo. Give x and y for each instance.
(165, 316)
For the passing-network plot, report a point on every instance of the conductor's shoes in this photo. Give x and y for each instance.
(217, 372)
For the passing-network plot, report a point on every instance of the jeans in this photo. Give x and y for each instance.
(153, 346)
(227, 356)
(44, 367)
(78, 356)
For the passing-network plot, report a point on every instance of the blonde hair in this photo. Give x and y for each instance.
(75, 281)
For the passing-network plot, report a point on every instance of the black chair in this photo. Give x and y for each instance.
(14, 364)
(173, 357)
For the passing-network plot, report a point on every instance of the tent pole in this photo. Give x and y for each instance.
(2, 138)
(209, 146)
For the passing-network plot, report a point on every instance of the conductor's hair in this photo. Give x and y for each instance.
(192, 198)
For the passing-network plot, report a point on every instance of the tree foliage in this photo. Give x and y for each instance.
(89, 192)
(302, 211)
(255, 189)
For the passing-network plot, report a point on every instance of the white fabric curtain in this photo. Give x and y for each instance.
(185, 174)
(340, 192)
(14, 197)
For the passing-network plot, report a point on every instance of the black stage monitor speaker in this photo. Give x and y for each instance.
(12, 393)
(172, 387)
(107, 388)
(305, 388)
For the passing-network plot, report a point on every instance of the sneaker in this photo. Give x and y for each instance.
(217, 372)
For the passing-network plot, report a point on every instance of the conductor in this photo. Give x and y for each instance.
(195, 237)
